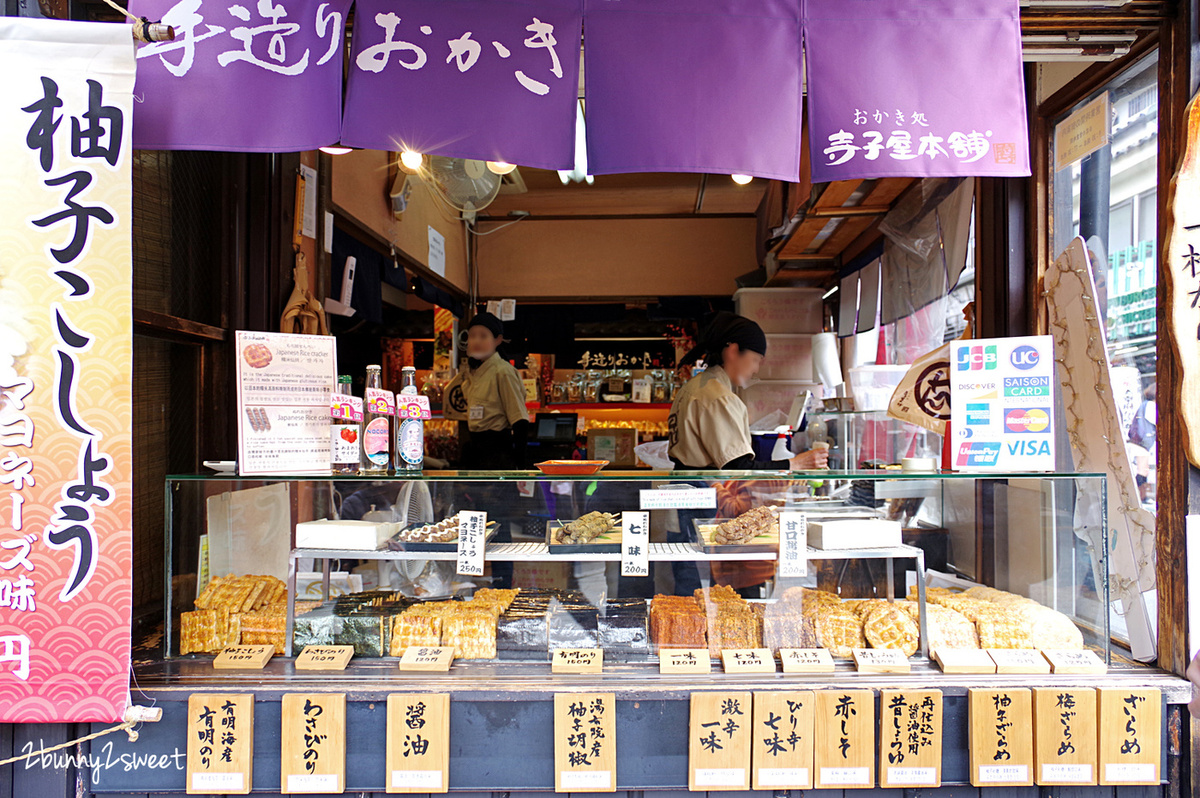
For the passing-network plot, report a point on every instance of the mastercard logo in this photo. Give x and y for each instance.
(1027, 420)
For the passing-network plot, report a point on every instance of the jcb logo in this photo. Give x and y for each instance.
(976, 358)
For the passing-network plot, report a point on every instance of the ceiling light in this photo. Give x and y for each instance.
(501, 167)
(410, 160)
(741, 180)
(336, 149)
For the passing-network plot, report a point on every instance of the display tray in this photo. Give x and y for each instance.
(560, 468)
(705, 528)
(608, 543)
(395, 544)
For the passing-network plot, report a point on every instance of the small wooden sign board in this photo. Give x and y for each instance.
(963, 660)
(1065, 736)
(585, 742)
(684, 660)
(748, 660)
(220, 744)
(1018, 660)
(806, 660)
(1079, 661)
(577, 660)
(910, 738)
(719, 741)
(324, 658)
(244, 658)
(844, 739)
(783, 740)
(418, 743)
(881, 660)
(1130, 736)
(427, 658)
(1001, 737)
(312, 743)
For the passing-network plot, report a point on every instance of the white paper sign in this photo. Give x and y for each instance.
(471, 526)
(641, 391)
(679, 499)
(586, 779)
(309, 224)
(793, 544)
(635, 544)
(430, 779)
(493, 307)
(1003, 774)
(1002, 403)
(437, 252)
(508, 309)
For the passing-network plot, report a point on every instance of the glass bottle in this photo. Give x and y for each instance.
(345, 430)
(377, 432)
(410, 432)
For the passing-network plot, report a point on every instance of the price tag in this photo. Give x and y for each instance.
(412, 406)
(1001, 737)
(793, 544)
(806, 660)
(881, 660)
(585, 742)
(910, 741)
(1075, 662)
(346, 408)
(783, 741)
(684, 660)
(244, 658)
(427, 658)
(1018, 660)
(719, 741)
(956, 660)
(312, 743)
(471, 527)
(577, 660)
(324, 658)
(635, 544)
(380, 401)
(679, 499)
(1130, 736)
(1064, 735)
(418, 743)
(641, 391)
(220, 744)
(844, 738)
(748, 660)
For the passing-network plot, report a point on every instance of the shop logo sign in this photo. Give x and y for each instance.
(979, 414)
(978, 453)
(1024, 357)
(1026, 386)
(977, 358)
(1034, 419)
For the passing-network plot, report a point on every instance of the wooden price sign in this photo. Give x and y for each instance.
(1001, 737)
(844, 739)
(585, 742)
(719, 742)
(1064, 735)
(1018, 660)
(220, 747)
(1075, 662)
(312, 743)
(418, 743)
(235, 658)
(910, 738)
(783, 740)
(964, 660)
(684, 660)
(881, 660)
(748, 660)
(577, 660)
(1130, 738)
(324, 658)
(806, 660)
(427, 658)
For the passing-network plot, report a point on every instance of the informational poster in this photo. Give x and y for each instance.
(1002, 403)
(65, 370)
(284, 387)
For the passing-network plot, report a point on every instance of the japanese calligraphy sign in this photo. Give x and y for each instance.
(844, 739)
(577, 660)
(243, 657)
(783, 740)
(910, 738)
(635, 544)
(324, 658)
(1075, 661)
(471, 544)
(748, 660)
(220, 744)
(1064, 735)
(418, 743)
(427, 658)
(962, 660)
(312, 743)
(684, 660)
(806, 660)
(1018, 660)
(585, 742)
(261, 76)
(920, 120)
(65, 366)
(1130, 736)
(793, 544)
(670, 87)
(1001, 737)
(493, 80)
(719, 735)
(881, 660)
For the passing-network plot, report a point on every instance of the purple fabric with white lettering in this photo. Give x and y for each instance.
(693, 86)
(248, 76)
(915, 88)
(485, 79)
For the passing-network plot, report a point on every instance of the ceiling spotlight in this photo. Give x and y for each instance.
(501, 167)
(410, 160)
(741, 180)
(336, 149)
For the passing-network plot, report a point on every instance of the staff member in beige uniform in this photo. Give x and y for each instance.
(489, 396)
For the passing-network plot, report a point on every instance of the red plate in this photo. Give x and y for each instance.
(560, 468)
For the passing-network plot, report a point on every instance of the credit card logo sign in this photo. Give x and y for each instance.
(1024, 357)
(1026, 386)
(1034, 419)
(979, 414)
(976, 358)
(978, 453)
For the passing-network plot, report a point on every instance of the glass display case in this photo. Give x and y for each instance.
(1000, 555)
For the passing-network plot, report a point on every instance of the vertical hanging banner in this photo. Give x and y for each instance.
(490, 80)
(65, 365)
(887, 95)
(685, 86)
(241, 76)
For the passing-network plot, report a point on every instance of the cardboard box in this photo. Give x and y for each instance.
(854, 533)
(613, 444)
(346, 534)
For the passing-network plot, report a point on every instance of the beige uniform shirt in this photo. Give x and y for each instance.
(709, 425)
(489, 399)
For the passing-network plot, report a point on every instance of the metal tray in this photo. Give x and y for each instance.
(701, 539)
(395, 544)
(608, 543)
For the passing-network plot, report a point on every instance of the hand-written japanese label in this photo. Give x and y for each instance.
(324, 658)
(881, 660)
(220, 741)
(719, 740)
(244, 657)
(418, 743)
(748, 660)
(471, 527)
(1018, 660)
(1001, 735)
(783, 740)
(427, 658)
(1065, 735)
(635, 543)
(312, 747)
(577, 660)
(585, 742)
(1130, 736)
(793, 544)
(684, 660)
(844, 749)
(806, 660)
(910, 746)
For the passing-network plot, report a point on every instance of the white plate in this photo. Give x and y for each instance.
(223, 466)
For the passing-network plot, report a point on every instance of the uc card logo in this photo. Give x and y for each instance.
(976, 358)
(1033, 419)
(1024, 357)
(978, 453)
(1026, 386)
(979, 414)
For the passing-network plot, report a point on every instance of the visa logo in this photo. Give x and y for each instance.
(974, 453)
(976, 358)
(1026, 448)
